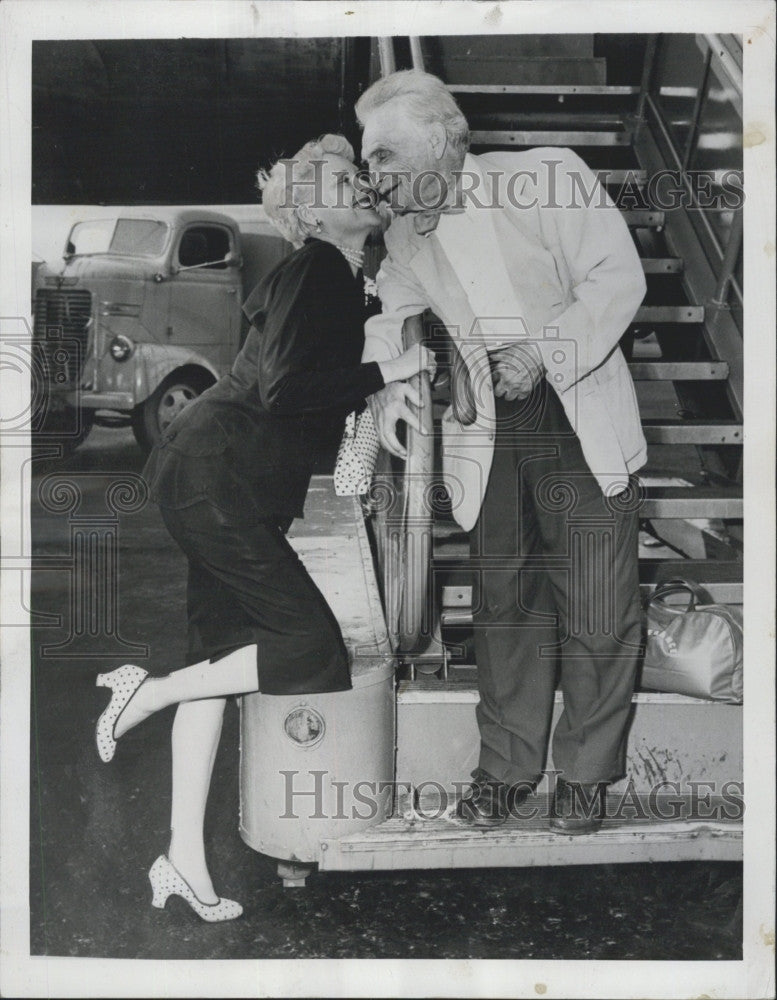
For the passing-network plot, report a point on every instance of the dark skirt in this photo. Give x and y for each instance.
(247, 585)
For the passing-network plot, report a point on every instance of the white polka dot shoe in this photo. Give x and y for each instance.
(167, 881)
(124, 682)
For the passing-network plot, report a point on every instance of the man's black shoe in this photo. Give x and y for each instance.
(578, 807)
(491, 801)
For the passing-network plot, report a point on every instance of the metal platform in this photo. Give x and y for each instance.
(408, 842)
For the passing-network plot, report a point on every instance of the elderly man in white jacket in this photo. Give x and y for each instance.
(532, 270)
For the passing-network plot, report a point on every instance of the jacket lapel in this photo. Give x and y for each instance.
(428, 262)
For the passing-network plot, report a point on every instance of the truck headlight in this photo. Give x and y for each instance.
(121, 348)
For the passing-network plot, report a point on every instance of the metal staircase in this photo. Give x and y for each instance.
(684, 348)
(685, 352)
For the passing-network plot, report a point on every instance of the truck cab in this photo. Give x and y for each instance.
(142, 314)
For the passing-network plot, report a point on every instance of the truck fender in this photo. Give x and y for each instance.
(154, 362)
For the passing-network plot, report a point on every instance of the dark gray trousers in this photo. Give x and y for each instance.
(556, 589)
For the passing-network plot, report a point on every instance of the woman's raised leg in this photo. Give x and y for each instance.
(234, 674)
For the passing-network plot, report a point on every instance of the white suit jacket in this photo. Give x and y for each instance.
(541, 255)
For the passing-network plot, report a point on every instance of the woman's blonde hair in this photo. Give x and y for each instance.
(287, 184)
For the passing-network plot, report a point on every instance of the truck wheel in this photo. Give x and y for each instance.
(152, 417)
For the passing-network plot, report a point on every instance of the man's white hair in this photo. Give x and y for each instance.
(287, 184)
(424, 97)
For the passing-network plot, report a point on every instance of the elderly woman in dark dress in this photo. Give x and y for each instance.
(231, 473)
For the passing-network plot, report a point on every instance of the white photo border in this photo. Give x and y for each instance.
(22, 21)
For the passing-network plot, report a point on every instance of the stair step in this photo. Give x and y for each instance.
(679, 371)
(619, 177)
(658, 501)
(693, 432)
(722, 580)
(642, 218)
(557, 121)
(692, 501)
(663, 265)
(601, 90)
(500, 48)
(669, 314)
(723, 502)
(475, 50)
(461, 687)
(549, 138)
(531, 70)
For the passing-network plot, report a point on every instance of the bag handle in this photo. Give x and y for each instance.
(695, 592)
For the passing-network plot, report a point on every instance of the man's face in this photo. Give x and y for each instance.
(397, 150)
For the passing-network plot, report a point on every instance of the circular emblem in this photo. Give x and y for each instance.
(304, 726)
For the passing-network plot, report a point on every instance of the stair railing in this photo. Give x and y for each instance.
(388, 63)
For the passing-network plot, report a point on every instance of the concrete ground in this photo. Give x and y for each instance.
(95, 829)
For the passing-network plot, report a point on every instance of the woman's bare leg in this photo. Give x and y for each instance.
(196, 733)
(235, 674)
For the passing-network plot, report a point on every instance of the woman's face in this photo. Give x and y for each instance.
(334, 203)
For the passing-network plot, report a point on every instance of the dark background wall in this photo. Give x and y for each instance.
(180, 121)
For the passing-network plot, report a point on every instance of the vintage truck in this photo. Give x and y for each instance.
(142, 314)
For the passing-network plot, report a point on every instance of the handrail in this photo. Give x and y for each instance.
(415, 622)
(647, 75)
(388, 63)
(721, 48)
(730, 258)
(415, 52)
(386, 55)
(658, 120)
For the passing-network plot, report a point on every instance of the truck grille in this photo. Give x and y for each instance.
(61, 331)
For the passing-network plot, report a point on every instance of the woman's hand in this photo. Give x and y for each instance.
(415, 359)
(390, 405)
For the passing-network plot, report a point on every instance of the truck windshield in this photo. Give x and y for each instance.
(124, 237)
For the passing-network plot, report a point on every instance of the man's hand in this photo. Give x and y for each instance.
(390, 405)
(518, 369)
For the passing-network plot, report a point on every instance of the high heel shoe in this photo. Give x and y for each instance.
(123, 682)
(167, 881)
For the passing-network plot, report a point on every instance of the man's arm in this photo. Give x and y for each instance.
(401, 297)
(608, 283)
(590, 239)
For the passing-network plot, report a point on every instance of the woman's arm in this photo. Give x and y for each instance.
(300, 329)
(301, 326)
(307, 390)
(344, 384)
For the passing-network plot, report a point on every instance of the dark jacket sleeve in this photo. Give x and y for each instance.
(301, 318)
